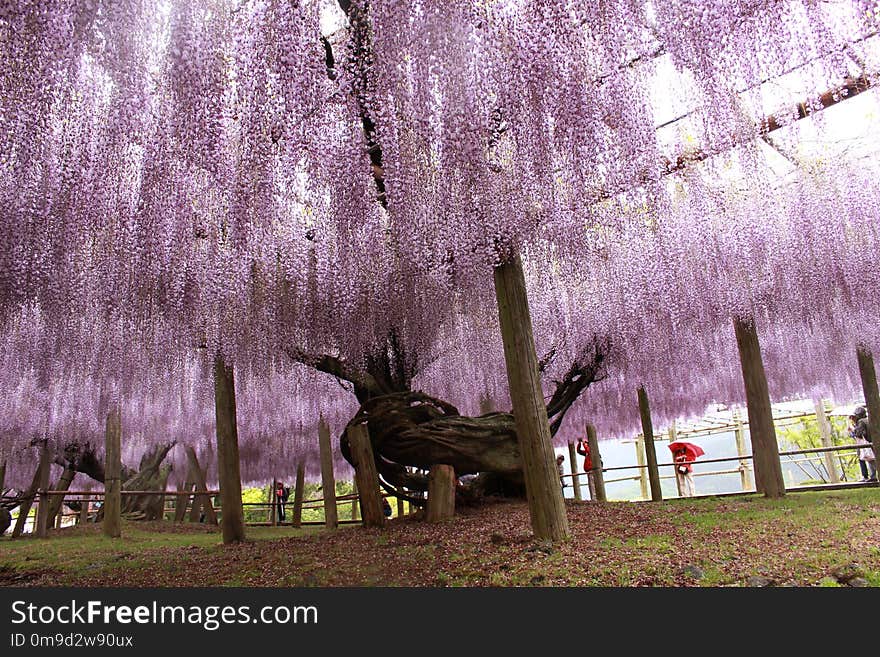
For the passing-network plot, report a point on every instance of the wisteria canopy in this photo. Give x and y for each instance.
(319, 191)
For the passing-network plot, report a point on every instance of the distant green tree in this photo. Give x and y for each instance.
(805, 435)
(251, 496)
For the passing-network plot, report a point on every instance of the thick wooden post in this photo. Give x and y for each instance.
(328, 482)
(575, 480)
(30, 494)
(825, 435)
(229, 473)
(43, 521)
(366, 475)
(2, 475)
(299, 486)
(200, 502)
(85, 503)
(546, 506)
(596, 456)
(650, 451)
(441, 493)
(182, 501)
(42, 526)
(56, 502)
(399, 508)
(872, 396)
(739, 433)
(640, 461)
(112, 508)
(765, 449)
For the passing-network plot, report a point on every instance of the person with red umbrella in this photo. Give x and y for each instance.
(683, 455)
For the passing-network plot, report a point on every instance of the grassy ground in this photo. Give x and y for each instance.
(802, 540)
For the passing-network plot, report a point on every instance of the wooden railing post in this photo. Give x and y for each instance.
(85, 503)
(596, 456)
(354, 502)
(825, 435)
(328, 482)
(640, 461)
(739, 434)
(673, 436)
(296, 519)
(575, 480)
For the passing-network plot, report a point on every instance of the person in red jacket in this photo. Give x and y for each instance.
(583, 448)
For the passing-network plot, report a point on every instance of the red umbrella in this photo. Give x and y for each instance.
(691, 451)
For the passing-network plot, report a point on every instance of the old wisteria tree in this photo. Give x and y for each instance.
(194, 191)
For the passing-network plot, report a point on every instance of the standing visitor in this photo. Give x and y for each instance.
(561, 470)
(282, 492)
(583, 448)
(860, 432)
(684, 472)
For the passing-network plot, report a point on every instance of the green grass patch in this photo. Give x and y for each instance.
(79, 551)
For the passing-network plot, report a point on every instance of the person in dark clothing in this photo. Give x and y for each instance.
(861, 433)
(282, 493)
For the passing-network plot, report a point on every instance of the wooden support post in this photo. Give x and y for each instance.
(229, 473)
(181, 501)
(112, 507)
(640, 461)
(739, 433)
(42, 525)
(765, 449)
(56, 502)
(441, 493)
(354, 502)
(296, 518)
(575, 480)
(399, 508)
(84, 505)
(328, 482)
(872, 396)
(546, 506)
(273, 504)
(2, 475)
(650, 451)
(596, 456)
(366, 475)
(201, 503)
(825, 435)
(30, 494)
